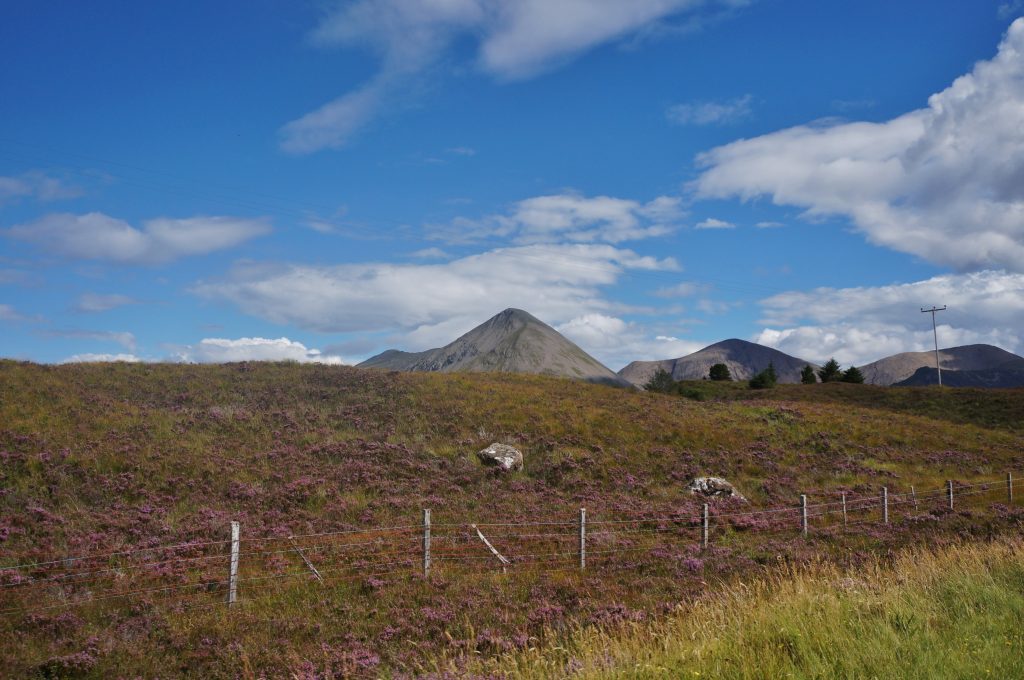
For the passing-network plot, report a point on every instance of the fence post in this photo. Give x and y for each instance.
(844, 508)
(583, 539)
(949, 492)
(914, 495)
(1009, 488)
(704, 528)
(426, 542)
(233, 570)
(803, 513)
(885, 505)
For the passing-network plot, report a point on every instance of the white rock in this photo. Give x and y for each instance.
(501, 455)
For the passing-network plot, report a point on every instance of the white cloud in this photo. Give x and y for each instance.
(945, 182)
(571, 217)
(616, 342)
(712, 223)
(433, 303)
(36, 185)
(514, 39)
(769, 225)
(95, 236)
(431, 254)
(710, 113)
(222, 350)
(860, 325)
(105, 358)
(95, 302)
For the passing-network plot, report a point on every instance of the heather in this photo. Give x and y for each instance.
(101, 459)
(950, 613)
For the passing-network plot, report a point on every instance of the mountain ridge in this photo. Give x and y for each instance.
(900, 367)
(743, 358)
(512, 341)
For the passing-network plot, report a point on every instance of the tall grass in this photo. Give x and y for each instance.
(953, 613)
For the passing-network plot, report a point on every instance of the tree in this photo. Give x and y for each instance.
(661, 381)
(765, 379)
(830, 372)
(719, 372)
(853, 375)
(807, 376)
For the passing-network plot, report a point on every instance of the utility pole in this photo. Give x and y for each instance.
(935, 332)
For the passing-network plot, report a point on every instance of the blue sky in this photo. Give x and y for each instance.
(322, 181)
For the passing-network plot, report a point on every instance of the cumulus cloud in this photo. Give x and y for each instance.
(36, 185)
(432, 303)
(95, 302)
(945, 182)
(860, 325)
(95, 236)
(713, 223)
(513, 39)
(104, 358)
(710, 113)
(616, 342)
(222, 350)
(570, 217)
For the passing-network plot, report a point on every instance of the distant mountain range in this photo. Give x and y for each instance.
(899, 368)
(514, 341)
(744, 359)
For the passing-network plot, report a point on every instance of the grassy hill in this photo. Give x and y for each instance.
(98, 459)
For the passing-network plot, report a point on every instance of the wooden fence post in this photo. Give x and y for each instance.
(583, 539)
(233, 570)
(803, 513)
(704, 528)
(914, 496)
(844, 508)
(885, 505)
(949, 492)
(426, 542)
(1009, 488)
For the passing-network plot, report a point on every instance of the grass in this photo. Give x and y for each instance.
(100, 458)
(952, 613)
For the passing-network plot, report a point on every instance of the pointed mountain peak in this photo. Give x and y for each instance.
(511, 341)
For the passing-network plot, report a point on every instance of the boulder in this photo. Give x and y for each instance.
(713, 487)
(502, 456)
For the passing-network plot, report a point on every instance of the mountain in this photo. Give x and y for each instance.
(744, 359)
(514, 341)
(1010, 374)
(900, 367)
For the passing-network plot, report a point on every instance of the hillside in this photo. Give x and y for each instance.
(744, 359)
(900, 367)
(1010, 374)
(513, 341)
(109, 460)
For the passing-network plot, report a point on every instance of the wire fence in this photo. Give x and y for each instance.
(201, 574)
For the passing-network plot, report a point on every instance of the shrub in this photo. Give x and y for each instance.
(830, 372)
(853, 375)
(661, 381)
(807, 376)
(719, 372)
(765, 379)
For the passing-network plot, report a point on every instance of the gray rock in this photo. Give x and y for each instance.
(503, 456)
(713, 487)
